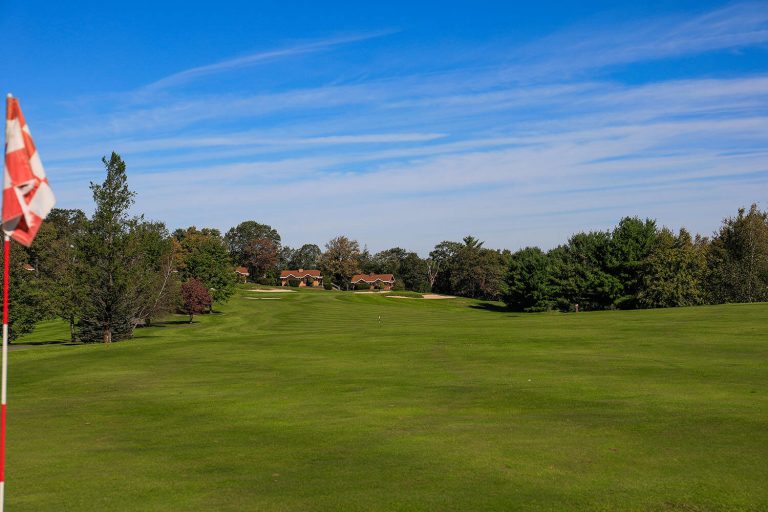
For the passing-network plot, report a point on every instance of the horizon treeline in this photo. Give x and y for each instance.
(107, 274)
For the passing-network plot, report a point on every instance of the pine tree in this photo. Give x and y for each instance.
(107, 259)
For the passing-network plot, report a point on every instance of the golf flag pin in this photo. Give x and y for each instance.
(27, 197)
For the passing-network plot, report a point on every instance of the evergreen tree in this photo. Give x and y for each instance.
(105, 257)
(529, 281)
(581, 273)
(631, 242)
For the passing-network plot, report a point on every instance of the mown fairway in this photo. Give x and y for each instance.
(309, 402)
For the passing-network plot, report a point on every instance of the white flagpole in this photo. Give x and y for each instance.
(4, 393)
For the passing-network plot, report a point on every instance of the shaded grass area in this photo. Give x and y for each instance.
(341, 401)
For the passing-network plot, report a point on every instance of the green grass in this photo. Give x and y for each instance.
(310, 402)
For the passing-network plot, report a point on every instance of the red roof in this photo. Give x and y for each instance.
(299, 274)
(242, 271)
(372, 278)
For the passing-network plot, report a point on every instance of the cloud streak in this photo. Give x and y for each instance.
(256, 58)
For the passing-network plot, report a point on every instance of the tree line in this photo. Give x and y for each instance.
(109, 273)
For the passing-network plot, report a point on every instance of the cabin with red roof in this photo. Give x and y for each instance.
(242, 273)
(381, 281)
(304, 277)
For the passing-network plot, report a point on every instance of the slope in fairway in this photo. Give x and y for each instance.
(340, 401)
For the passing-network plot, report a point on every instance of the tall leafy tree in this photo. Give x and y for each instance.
(672, 273)
(157, 285)
(469, 269)
(26, 302)
(202, 254)
(54, 257)
(341, 260)
(442, 259)
(414, 273)
(285, 257)
(307, 257)
(238, 238)
(738, 258)
(389, 261)
(261, 257)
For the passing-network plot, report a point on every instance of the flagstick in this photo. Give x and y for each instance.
(4, 397)
(4, 391)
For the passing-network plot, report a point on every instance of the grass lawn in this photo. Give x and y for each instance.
(320, 400)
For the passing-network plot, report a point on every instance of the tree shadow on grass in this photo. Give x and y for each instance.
(495, 307)
(68, 343)
(491, 306)
(164, 323)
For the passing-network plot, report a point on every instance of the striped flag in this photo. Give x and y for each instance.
(27, 197)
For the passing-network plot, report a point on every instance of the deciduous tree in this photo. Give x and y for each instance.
(672, 273)
(238, 238)
(195, 298)
(202, 254)
(341, 260)
(260, 256)
(738, 258)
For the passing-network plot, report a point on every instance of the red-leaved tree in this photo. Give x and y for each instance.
(195, 298)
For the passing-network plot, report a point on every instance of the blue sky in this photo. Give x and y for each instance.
(401, 124)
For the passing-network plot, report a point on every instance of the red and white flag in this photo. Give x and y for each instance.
(27, 197)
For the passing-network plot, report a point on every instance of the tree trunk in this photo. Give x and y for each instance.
(107, 335)
(72, 332)
(190, 318)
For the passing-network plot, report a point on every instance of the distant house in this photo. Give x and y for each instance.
(28, 267)
(242, 274)
(382, 281)
(304, 277)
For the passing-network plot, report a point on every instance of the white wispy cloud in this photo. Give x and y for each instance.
(256, 58)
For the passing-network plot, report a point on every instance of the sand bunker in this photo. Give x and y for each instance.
(262, 298)
(273, 290)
